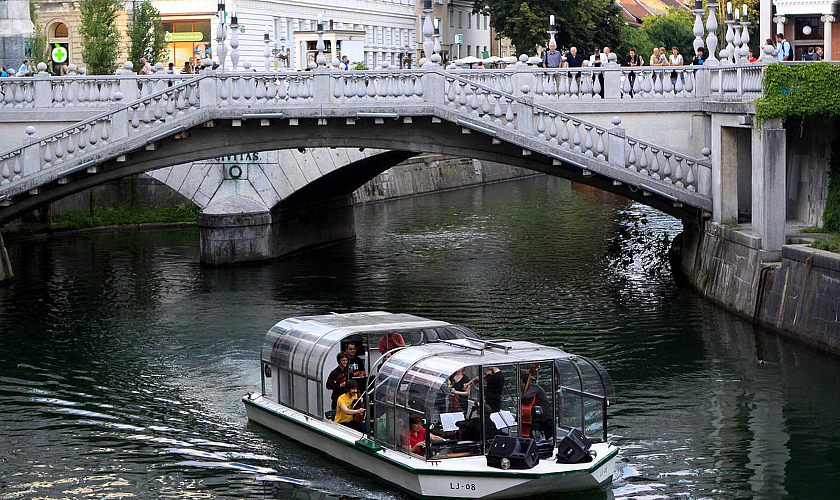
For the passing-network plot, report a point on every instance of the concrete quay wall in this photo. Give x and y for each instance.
(795, 292)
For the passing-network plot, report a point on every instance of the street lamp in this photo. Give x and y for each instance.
(221, 35)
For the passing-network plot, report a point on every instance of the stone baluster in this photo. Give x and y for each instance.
(221, 35)
(616, 144)
(631, 157)
(234, 41)
(564, 133)
(427, 30)
(643, 159)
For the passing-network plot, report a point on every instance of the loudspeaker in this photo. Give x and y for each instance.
(512, 453)
(574, 448)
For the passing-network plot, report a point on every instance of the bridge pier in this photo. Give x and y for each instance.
(5, 265)
(240, 230)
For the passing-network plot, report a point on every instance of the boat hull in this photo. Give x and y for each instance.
(467, 477)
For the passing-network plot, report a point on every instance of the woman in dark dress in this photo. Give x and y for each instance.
(459, 387)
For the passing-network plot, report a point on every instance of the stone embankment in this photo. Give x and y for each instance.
(795, 292)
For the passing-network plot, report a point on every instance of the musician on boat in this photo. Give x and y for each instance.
(414, 439)
(355, 364)
(337, 378)
(345, 412)
(494, 385)
(459, 390)
(533, 395)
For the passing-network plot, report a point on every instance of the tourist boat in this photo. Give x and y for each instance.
(459, 457)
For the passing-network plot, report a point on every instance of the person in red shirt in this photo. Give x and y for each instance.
(390, 341)
(414, 439)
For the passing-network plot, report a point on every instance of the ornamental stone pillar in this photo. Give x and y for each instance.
(828, 19)
(780, 26)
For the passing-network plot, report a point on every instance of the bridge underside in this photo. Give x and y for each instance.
(219, 137)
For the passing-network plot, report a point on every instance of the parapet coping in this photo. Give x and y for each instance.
(818, 258)
(741, 237)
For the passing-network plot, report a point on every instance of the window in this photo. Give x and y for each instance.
(469, 50)
(485, 21)
(460, 19)
(469, 20)
(60, 31)
(451, 20)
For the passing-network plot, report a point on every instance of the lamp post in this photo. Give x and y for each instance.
(698, 26)
(320, 59)
(436, 49)
(737, 40)
(266, 50)
(221, 35)
(745, 36)
(428, 31)
(234, 40)
(712, 39)
(552, 30)
(730, 33)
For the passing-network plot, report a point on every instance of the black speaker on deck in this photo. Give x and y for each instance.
(574, 448)
(513, 453)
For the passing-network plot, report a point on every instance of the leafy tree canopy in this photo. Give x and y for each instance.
(100, 35)
(146, 35)
(585, 24)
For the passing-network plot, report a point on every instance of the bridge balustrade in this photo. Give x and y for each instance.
(576, 135)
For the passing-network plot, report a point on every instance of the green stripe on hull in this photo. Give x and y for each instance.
(414, 470)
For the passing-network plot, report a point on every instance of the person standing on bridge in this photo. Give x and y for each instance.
(146, 68)
(633, 59)
(782, 48)
(551, 58)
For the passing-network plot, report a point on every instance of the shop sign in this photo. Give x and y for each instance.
(190, 36)
(59, 54)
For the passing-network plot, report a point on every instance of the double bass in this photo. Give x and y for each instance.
(527, 405)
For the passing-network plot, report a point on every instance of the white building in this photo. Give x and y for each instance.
(468, 33)
(389, 27)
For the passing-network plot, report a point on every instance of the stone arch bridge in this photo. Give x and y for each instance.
(167, 122)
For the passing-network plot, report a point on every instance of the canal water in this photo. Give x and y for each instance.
(122, 361)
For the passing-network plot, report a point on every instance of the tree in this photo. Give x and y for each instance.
(635, 38)
(674, 29)
(38, 41)
(100, 35)
(586, 24)
(146, 35)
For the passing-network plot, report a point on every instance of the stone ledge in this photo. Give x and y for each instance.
(819, 258)
(744, 238)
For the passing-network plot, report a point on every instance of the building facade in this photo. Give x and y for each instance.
(805, 23)
(60, 20)
(389, 28)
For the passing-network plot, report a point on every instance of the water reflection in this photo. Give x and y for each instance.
(122, 361)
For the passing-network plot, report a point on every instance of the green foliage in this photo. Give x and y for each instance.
(634, 38)
(831, 213)
(122, 215)
(830, 244)
(585, 24)
(38, 40)
(360, 65)
(802, 90)
(146, 35)
(674, 29)
(100, 35)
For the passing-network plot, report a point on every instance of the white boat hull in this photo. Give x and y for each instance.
(467, 477)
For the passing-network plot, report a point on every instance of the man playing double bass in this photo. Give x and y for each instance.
(534, 395)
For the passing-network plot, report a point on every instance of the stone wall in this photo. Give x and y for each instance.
(5, 266)
(809, 151)
(803, 296)
(796, 293)
(430, 173)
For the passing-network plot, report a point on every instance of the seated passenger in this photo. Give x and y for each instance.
(338, 378)
(470, 429)
(344, 412)
(414, 439)
(390, 341)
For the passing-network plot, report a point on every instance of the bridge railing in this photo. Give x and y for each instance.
(62, 150)
(568, 132)
(43, 91)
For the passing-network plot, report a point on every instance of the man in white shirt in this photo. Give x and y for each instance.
(146, 68)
